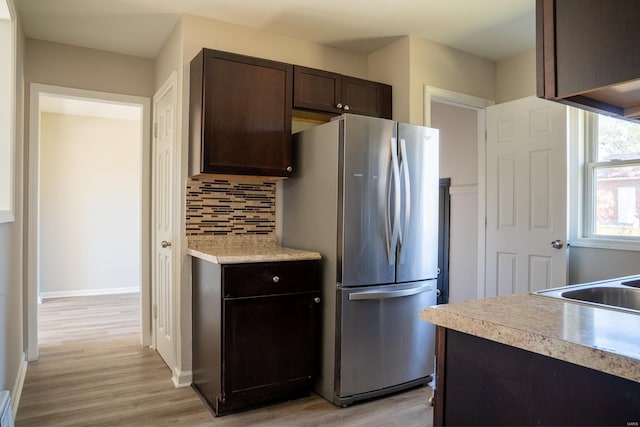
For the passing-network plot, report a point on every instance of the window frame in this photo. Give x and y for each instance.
(583, 140)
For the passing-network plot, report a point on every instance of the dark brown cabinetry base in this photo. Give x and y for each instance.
(255, 332)
(481, 383)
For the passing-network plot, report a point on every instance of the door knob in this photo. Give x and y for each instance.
(165, 244)
(557, 244)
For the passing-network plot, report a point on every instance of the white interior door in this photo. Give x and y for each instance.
(526, 196)
(163, 300)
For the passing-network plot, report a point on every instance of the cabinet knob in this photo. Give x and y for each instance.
(339, 105)
(316, 300)
(289, 169)
(346, 108)
(276, 279)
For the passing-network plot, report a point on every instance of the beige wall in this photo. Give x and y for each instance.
(411, 63)
(169, 59)
(90, 172)
(201, 32)
(516, 77)
(433, 64)
(12, 357)
(391, 65)
(90, 69)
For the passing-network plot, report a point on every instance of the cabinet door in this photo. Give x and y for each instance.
(246, 115)
(366, 97)
(270, 344)
(586, 54)
(322, 91)
(316, 90)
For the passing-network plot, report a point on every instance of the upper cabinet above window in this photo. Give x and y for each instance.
(587, 54)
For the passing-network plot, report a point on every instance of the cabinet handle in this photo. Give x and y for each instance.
(316, 300)
(276, 279)
(339, 105)
(346, 108)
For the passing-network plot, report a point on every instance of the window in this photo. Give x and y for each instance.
(7, 112)
(612, 179)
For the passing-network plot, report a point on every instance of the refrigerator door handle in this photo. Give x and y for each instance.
(404, 169)
(392, 243)
(389, 294)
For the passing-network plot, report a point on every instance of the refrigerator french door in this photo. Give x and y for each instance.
(365, 196)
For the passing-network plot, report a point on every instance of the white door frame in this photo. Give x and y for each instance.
(33, 249)
(170, 84)
(479, 104)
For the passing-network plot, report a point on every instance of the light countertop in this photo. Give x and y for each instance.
(239, 250)
(597, 338)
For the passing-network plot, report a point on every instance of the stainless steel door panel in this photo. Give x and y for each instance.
(419, 156)
(366, 151)
(382, 341)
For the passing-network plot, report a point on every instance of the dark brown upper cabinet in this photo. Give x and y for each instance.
(322, 91)
(587, 54)
(239, 115)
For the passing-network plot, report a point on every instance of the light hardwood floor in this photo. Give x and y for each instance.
(92, 371)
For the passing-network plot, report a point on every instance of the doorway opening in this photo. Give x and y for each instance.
(88, 200)
(461, 120)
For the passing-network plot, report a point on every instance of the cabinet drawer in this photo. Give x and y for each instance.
(247, 280)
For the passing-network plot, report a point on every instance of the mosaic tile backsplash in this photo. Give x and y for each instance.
(218, 207)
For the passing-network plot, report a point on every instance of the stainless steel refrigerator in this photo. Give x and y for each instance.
(365, 195)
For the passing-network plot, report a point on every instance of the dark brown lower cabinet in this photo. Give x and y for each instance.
(255, 332)
(484, 383)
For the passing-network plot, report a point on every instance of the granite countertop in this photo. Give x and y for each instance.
(597, 338)
(246, 249)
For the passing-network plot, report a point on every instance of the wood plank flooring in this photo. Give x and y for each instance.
(92, 371)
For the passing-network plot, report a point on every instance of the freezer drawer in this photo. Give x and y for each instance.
(382, 343)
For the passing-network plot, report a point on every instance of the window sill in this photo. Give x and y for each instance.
(620, 245)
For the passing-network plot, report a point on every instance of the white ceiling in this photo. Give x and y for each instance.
(493, 29)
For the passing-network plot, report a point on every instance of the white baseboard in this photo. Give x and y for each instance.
(16, 392)
(182, 379)
(89, 292)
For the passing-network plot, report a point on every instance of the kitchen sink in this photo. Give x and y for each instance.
(620, 294)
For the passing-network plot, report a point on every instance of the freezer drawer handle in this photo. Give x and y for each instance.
(389, 294)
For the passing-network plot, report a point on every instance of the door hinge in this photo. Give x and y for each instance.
(155, 311)
(155, 130)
